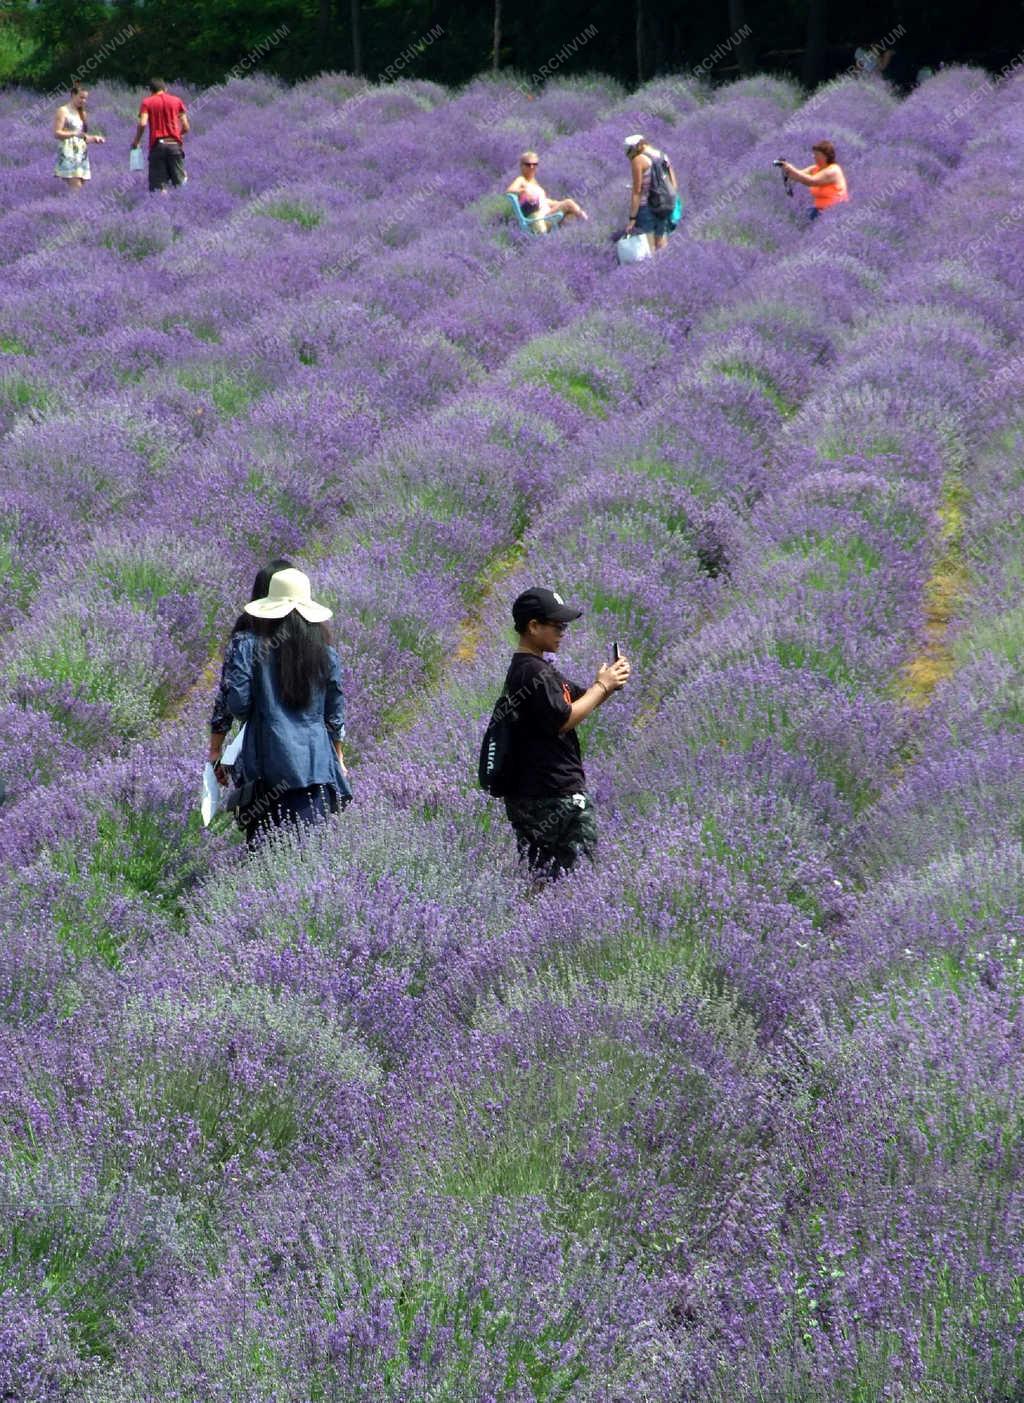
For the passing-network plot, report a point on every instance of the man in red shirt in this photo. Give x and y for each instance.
(165, 116)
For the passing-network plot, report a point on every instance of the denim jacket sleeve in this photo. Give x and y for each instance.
(238, 676)
(220, 717)
(334, 701)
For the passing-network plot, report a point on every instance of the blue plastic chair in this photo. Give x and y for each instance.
(527, 222)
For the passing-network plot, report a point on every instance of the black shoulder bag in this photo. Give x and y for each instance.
(496, 749)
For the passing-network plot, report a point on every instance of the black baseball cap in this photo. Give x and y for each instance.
(542, 604)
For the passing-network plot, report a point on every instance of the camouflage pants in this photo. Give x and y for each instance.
(553, 833)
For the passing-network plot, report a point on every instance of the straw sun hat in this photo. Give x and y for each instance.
(289, 589)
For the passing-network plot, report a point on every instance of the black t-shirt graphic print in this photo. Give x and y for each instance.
(542, 762)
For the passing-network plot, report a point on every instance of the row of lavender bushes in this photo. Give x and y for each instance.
(358, 1122)
(115, 857)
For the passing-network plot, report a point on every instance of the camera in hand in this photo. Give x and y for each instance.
(787, 184)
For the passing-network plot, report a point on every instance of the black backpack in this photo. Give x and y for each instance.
(493, 769)
(661, 197)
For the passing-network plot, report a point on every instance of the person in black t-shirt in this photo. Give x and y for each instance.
(546, 799)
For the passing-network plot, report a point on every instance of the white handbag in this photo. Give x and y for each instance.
(633, 248)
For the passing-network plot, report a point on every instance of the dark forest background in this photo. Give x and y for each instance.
(45, 42)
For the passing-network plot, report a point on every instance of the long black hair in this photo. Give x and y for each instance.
(299, 651)
(260, 589)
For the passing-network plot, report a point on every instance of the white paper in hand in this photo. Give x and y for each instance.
(231, 752)
(211, 796)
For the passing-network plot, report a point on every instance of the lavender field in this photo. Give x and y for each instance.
(736, 1115)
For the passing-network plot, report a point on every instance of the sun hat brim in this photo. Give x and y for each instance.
(277, 609)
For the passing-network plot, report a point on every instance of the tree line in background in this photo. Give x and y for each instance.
(45, 43)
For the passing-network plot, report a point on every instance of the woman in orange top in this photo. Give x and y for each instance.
(825, 177)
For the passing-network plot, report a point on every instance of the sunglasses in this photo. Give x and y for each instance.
(531, 164)
(557, 625)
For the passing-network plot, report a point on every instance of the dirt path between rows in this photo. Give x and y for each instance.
(934, 662)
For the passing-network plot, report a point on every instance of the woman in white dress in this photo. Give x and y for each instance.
(71, 128)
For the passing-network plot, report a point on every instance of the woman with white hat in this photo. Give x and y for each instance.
(284, 681)
(221, 718)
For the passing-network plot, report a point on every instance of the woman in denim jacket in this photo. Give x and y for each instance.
(283, 679)
(221, 719)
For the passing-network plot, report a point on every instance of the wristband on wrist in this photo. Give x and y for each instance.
(604, 687)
